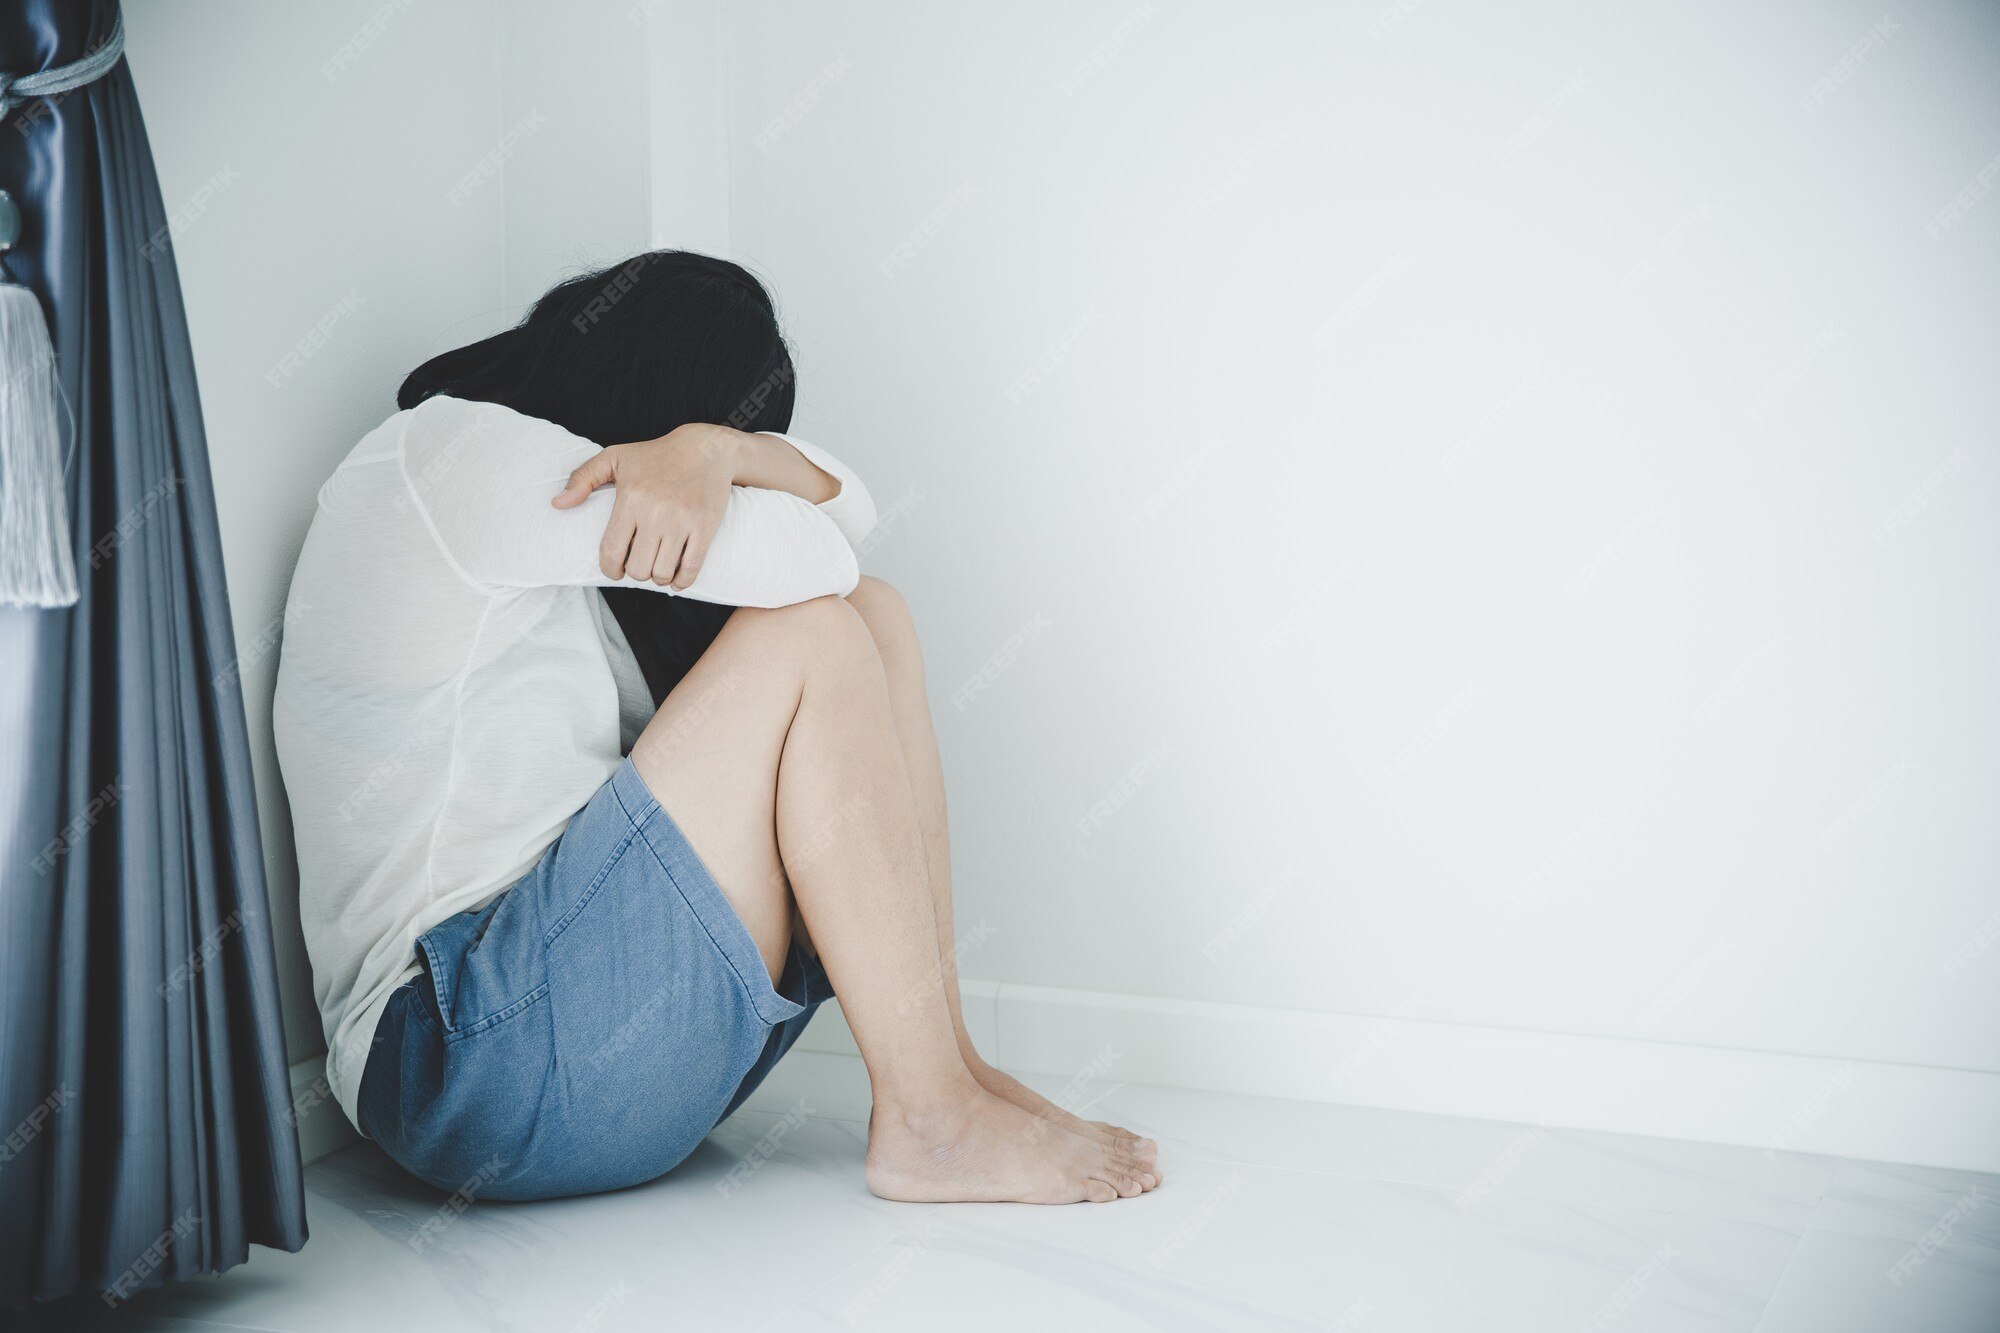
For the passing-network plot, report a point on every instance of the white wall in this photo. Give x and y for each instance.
(1472, 512)
(1413, 510)
(574, 86)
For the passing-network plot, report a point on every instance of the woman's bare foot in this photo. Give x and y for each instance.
(1009, 1088)
(975, 1147)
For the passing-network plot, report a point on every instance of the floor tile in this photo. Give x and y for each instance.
(1473, 1157)
(1241, 1246)
(1276, 1215)
(1840, 1283)
(1905, 1202)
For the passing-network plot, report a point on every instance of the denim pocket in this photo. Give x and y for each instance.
(480, 978)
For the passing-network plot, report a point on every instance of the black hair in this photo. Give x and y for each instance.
(629, 353)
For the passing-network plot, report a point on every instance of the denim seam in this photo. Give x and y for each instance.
(492, 1021)
(750, 992)
(638, 821)
(596, 882)
(421, 1012)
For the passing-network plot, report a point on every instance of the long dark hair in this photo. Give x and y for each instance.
(629, 353)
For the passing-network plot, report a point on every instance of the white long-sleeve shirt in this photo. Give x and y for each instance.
(453, 689)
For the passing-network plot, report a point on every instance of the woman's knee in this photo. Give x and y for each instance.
(887, 616)
(873, 596)
(823, 629)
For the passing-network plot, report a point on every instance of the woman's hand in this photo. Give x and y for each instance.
(671, 495)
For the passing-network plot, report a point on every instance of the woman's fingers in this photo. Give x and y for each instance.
(691, 558)
(614, 548)
(672, 551)
(599, 471)
(664, 541)
(647, 557)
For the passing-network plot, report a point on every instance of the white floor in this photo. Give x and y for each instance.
(1282, 1215)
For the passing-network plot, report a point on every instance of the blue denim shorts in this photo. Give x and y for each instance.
(585, 1029)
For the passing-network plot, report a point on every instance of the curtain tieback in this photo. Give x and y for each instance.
(18, 88)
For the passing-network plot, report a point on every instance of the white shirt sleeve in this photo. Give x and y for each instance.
(483, 475)
(853, 509)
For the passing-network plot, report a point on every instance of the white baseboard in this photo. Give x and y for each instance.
(1846, 1108)
(322, 1124)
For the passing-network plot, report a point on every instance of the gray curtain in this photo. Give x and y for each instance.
(145, 1118)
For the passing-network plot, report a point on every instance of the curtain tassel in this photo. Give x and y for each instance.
(37, 567)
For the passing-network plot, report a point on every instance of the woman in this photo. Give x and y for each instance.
(576, 866)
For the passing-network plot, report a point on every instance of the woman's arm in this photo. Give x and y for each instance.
(851, 508)
(672, 519)
(775, 464)
(669, 494)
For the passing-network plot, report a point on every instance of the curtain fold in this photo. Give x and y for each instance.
(146, 1130)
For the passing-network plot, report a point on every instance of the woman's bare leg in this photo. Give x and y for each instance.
(888, 619)
(777, 756)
